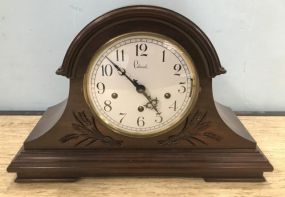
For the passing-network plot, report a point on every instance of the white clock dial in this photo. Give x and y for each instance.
(141, 84)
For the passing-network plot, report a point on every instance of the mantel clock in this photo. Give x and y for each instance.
(140, 103)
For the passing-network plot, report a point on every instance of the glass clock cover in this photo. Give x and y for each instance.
(141, 84)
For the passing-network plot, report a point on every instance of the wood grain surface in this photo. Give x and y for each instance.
(269, 132)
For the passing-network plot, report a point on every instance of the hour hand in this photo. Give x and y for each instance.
(140, 88)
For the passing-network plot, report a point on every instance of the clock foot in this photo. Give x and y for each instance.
(31, 180)
(236, 179)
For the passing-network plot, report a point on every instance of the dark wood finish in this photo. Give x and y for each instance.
(210, 143)
(141, 18)
(222, 164)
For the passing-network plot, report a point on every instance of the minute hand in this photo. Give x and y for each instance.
(138, 87)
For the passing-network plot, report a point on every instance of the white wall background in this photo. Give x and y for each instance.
(249, 36)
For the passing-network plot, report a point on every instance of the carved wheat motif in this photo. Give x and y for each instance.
(192, 131)
(87, 133)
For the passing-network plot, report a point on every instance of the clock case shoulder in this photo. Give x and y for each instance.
(142, 18)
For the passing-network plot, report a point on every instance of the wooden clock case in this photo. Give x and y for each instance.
(70, 142)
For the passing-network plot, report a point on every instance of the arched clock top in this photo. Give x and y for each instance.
(141, 18)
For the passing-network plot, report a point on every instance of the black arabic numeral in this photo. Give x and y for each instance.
(141, 50)
(123, 116)
(173, 106)
(120, 55)
(159, 118)
(177, 68)
(140, 121)
(107, 70)
(182, 88)
(163, 56)
(101, 87)
(107, 106)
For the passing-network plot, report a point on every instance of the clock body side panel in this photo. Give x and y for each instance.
(211, 132)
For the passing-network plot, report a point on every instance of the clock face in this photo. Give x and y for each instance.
(141, 84)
